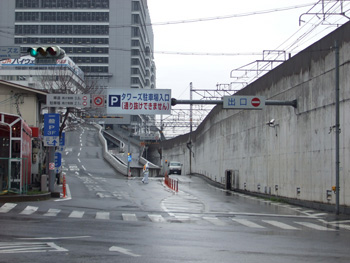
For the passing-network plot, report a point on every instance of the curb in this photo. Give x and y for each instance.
(25, 198)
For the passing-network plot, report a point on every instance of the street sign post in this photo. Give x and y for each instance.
(139, 101)
(244, 102)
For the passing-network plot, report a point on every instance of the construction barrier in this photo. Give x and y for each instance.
(171, 183)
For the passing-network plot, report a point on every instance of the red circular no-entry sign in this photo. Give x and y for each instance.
(256, 102)
(98, 101)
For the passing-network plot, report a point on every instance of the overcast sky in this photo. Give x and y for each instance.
(245, 35)
(244, 28)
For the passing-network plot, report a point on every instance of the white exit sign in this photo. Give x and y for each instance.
(244, 102)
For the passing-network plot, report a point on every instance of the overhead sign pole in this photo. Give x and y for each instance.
(292, 103)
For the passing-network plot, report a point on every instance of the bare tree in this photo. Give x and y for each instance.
(62, 79)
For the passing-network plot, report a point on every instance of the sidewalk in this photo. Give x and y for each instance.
(12, 197)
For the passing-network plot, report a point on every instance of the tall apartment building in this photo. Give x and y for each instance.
(110, 40)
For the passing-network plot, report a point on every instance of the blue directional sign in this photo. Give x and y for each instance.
(129, 157)
(58, 159)
(63, 139)
(51, 124)
(51, 140)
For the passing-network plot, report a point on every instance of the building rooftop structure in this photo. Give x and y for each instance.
(63, 77)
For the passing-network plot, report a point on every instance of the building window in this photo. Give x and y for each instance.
(135, 6)
(26, 30)
(135, 31)
(135, 43)
(135, 81)
(27, 16)
(27, 3)
(135, 62)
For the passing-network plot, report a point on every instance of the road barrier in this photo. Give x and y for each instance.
(171, 183)
(64, 186)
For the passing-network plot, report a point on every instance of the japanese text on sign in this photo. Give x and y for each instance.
(244, 102)
(51, 124)
(10, 52)
(139, 102)
(68, 100)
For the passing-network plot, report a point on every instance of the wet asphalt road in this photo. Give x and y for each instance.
(109, 218)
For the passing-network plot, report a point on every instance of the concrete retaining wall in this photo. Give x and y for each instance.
(296, 158)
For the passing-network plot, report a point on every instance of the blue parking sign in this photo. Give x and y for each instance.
(51, 124)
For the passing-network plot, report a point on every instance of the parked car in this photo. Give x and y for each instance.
(175, 167)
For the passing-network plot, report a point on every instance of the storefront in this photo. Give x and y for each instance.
(15, 154)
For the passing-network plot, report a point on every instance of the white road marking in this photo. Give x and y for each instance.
(29, 210)
(123, 251)
(77, 214)
(314, 226)
(129, 217)
(68, 195)
(280, 225)
(52, 238)
(7, 207)
(26, 247)
(156, 218)
(102, 215)
(52, 212)
(215, 221)
(247, 223)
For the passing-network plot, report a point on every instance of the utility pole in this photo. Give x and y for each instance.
(51, 161)
(191, 122)
(337, 127)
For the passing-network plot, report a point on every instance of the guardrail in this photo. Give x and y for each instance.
(108, 157)
(171, 183)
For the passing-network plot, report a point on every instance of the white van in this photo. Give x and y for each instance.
(174, 167)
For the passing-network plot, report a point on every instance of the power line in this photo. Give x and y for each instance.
(262, 12)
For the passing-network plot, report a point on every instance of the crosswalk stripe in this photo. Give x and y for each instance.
(102, 215)
(7, 207)
(129, 217)
(280, 225)
(314, 226)
(342, 226)
(215, 221)
(29, 210)
(247, 223)
(156, 218)
(77, 214)
(52, 212)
